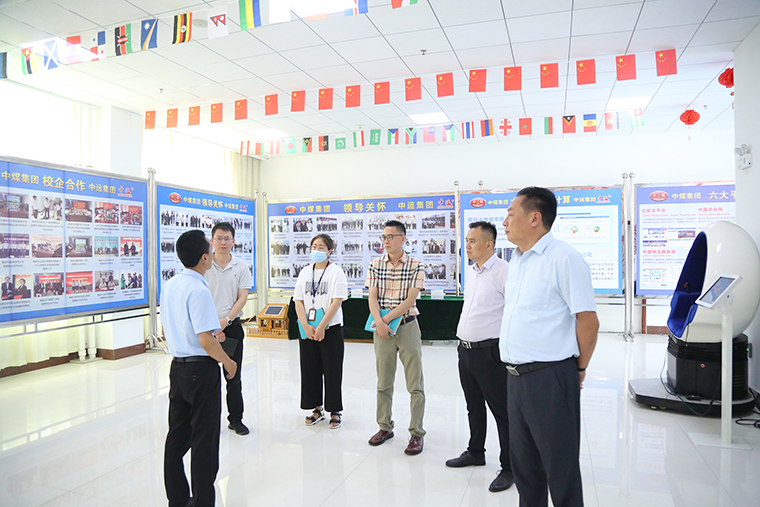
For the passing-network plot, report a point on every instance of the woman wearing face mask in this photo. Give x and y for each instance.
(319, 293)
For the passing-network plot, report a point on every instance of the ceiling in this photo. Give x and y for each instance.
(385, 45)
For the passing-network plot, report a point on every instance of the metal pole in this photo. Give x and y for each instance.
(152, 219)
(631, 253)
(627, 334)
(263, 292)
(457, 231)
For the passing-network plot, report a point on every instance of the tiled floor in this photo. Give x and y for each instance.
(92, 435)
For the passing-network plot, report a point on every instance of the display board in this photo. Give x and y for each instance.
(71, 242)
(355, 225)
(182, 209)
(588, 219)
(668, 219)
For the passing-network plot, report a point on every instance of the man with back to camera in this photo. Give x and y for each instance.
(195, 403)
(481, 372)
(229, 280)
(395, 280)
(548, 335)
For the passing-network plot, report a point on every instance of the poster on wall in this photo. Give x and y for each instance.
(71, 242)
(182, 209)
(669, 217)
(355, 225)
(588, 219)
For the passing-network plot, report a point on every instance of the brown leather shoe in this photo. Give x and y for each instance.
(380, 437)
(415, 445)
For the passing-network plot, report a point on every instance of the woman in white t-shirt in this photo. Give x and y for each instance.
(320, 290)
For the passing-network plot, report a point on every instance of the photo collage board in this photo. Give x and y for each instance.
(181, 209)
(588, 219)
(669, 217)
(356, 227)
(70, 242)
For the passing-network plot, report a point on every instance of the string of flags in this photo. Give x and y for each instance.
(435, 133)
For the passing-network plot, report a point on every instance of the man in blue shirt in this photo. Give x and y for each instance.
(192, 333)
(548, 334)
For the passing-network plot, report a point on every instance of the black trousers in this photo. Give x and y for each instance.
(195, 405)
(545, 434)
(322, 360)
(484, 380)
(234, 385)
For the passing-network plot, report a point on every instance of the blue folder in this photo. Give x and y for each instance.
(320, 315)
(393, 324)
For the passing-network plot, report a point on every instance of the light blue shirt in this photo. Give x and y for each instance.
(187, 310)
(546, 287)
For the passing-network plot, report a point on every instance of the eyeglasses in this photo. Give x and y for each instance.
(389, 237)
(224, 240)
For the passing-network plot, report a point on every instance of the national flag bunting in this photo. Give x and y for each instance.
(149, 34)
(486, 128)
(512, 79)
(413, 89)
(445, 84)
(526, 126)
(250, 14)
(611, 121)
(448, 132)
(216, 113)
(548, 126)
(361, 8)
(258, 149)
(411, 135)
(626, 67)
(274, 147)
(171, 118)
(589, 122)
(297, 101)
(568, 124)
(270, 104)
(428, 134)
(393, 136)
(3, 65)
(241, 109)
(340, 143)
(50, 55)
(382, 93)
(194, 117)
(150, 120)
(468, 130)
(358, 139)
(550, 75)
(325, 98)
(637, 118)
(306, 148)
(183, 28)
(28, 61)
(74, 50)
(585, 71)
(478, 80)
(353, 96)
(123, 39)
(666, 62)
(217, 22)
(98, 46)
(290, 146)
(324, 143)
(506, 127)
(374, 137)
(400, 3)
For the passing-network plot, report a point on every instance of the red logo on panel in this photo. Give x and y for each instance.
(478, 202)
(658, 196)
(175, 198)
(290, 210)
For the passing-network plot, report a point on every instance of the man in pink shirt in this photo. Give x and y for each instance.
(482, 374)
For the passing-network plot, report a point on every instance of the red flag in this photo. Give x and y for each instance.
(195, 116)
(241, 147)
(550, 75)
(568, 124)
(150, 120)
(324, 143)
(512, 79)
(506, 127)
(383, 93)
(413, 89)
(247, 148)
(325, 98)
(241, 109)
(353, 96)
(626, 67)
(478, 80)
(259, 149)
(270, 104)
(297, 101)
(586, 71)
(171, 118)
(216, 113)
(445, 84)
(526, 126)
(666, 62)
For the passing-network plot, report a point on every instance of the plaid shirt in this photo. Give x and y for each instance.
(394, 281)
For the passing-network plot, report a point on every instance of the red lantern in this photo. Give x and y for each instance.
(690, 117)
(727, 78)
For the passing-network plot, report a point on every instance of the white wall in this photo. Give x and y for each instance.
(747, 131)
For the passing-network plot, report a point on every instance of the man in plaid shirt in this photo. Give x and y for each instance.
(395, 280)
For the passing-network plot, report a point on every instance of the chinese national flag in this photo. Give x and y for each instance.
(512, 79)
(526, 126)
(478, 80)
(626, 67)
(171, 118)
(150, 120)
(666, 62)
(216, 113)
(550, 75)
(353, 96)
(568, 124)
(586, 71)
(413, 89)
(383, 93)
(270, 104)
(325, 98)
(445, 84)
(297, 101)
(241, 109)
(195, 116)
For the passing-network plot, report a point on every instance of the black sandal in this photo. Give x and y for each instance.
(335, 419)
(316, 415)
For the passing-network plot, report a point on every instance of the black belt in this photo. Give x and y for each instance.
(194, 359)
(492, 342)
(407, 320)
(522, 369)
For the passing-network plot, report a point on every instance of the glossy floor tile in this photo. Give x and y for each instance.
(92, 435)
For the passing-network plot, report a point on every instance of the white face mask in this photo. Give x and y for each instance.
(318, 256)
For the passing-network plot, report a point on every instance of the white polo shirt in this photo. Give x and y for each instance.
(225, 283)
(546, 287)
(483, 300)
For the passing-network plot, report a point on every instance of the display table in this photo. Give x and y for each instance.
(438, 318)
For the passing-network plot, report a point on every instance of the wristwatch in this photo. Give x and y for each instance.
(228, 321)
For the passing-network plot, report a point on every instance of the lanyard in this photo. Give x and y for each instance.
(314, 289)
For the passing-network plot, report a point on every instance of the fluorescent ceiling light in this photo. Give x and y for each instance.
(268, 134)
(430, 118)
(627, 103)
(306, 8)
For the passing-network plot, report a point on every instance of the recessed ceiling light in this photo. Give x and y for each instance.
(430, 118)
(627, 103)
(268, 134)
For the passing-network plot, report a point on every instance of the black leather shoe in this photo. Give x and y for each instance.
(466, 460)
(380, 437)
(238, 427)
(503, 481)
